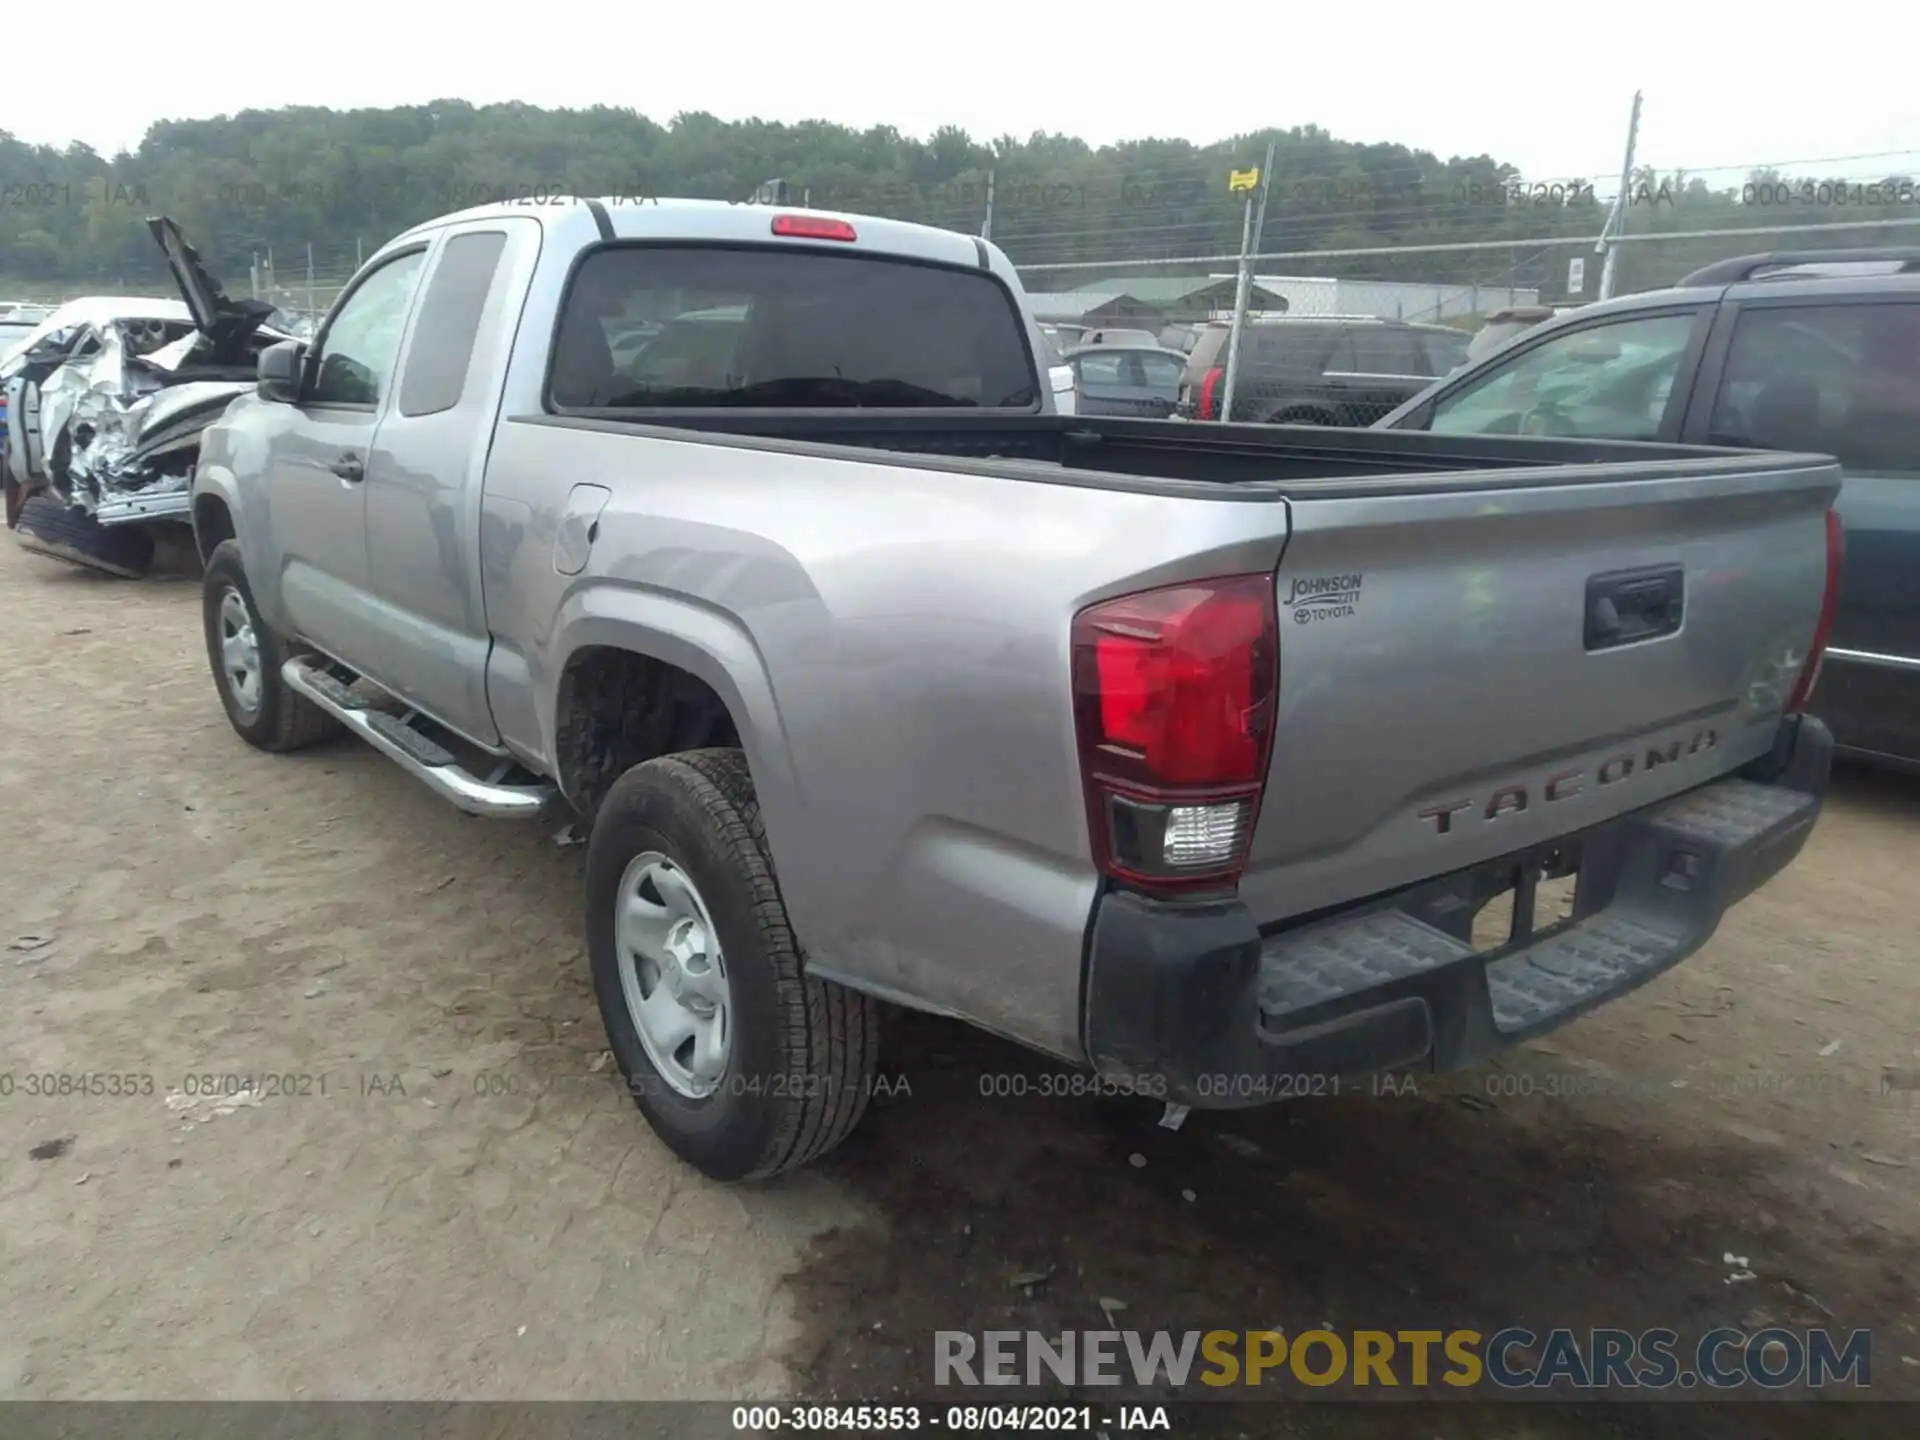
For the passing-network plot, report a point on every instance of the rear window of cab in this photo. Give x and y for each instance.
(649, 326)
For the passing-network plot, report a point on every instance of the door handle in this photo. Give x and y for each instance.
(349, 468)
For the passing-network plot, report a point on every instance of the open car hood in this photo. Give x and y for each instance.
(227, 323)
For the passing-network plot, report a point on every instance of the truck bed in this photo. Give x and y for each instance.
(1176, 457)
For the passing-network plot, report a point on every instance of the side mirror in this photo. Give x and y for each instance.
(280, 371)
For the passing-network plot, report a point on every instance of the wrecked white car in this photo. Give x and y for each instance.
(106, 400)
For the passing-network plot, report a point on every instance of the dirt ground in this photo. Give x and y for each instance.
(433, 1193)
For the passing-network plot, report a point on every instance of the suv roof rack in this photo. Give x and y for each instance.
(1748, 267)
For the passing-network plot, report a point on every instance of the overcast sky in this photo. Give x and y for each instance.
(1546, 87)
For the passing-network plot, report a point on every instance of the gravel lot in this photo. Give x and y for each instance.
(435, 1194)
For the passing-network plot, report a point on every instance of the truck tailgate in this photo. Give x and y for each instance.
(1472, 670)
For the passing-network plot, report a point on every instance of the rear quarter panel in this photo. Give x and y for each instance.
(894, 642)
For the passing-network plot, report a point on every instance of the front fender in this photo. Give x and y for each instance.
(230, 471)
(212, 483)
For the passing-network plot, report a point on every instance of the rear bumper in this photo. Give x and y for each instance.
(1192, 1000)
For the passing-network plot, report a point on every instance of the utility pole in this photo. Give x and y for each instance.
(1243, 286)
(986, 226)
(1608, 246)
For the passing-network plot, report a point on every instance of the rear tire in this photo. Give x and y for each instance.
(246, 657)
(800, 1054)
(49, 526)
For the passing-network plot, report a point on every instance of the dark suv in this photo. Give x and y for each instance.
(1317, 370)
(1808, 351)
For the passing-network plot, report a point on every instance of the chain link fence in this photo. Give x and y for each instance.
(1343, 337)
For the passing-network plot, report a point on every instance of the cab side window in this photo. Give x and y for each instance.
(450, 312)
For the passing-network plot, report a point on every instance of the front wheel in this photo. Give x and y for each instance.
(743, 1065)
(246, 657)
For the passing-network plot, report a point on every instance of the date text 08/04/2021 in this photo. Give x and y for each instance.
(1067, 1420)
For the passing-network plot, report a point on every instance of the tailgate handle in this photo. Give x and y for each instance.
(1627, 606)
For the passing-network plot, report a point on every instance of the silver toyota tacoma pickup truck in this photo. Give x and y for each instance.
(1185, 754)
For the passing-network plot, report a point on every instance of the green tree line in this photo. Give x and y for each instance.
(338, 180)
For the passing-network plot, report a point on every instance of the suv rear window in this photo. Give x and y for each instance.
(646, 326)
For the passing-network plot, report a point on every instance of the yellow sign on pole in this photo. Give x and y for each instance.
(1238, 180)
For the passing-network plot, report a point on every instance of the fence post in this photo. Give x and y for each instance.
(1243, 281)
(1616, 226)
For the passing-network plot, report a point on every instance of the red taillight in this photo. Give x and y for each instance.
(812, 227)
(1829, 604)
(1209, 408)
(1174, 694)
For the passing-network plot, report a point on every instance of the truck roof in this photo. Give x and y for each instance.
(640, 217)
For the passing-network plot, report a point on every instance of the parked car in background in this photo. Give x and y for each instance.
(1805, 351)
(1141, 380)
(1075, 802)
(1317, 370)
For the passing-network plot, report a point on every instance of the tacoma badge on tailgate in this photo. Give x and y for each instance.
(1565, 784)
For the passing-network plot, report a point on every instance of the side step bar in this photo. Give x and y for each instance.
(419, 755)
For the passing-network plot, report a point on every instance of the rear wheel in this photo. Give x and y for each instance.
(742, 1064)
(246, 657)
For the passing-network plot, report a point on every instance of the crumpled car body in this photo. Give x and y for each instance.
(108, 396)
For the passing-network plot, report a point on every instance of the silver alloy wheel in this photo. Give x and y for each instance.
(239, 650)
(672, 974)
